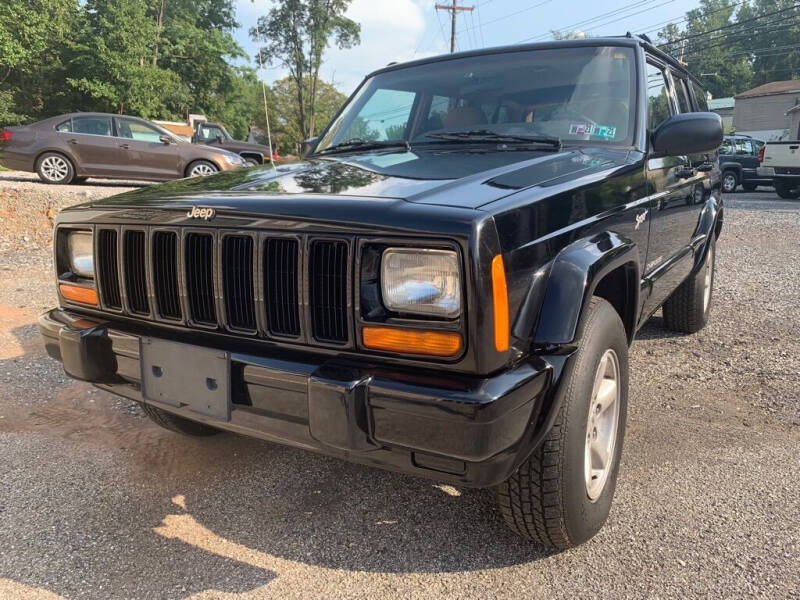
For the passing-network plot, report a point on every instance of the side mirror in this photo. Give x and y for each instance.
(308, 146)
(165, 139)
(689, 133)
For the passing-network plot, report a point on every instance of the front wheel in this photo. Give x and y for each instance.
(201, 168)
(561, 495)
(787, 190)
(729, 182)
(251, 162)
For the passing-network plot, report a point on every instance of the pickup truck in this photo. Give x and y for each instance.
(447, 286)
(215, 134)
(780, 161)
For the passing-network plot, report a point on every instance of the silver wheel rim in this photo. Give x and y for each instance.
(729, 183)
(202, 170)
(601, 427)
(708, 278)
(55, 168)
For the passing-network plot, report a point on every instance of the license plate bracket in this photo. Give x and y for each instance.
(185, 375)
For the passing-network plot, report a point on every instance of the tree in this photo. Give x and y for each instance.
(296, 34)
(772, 39)
(287, 130)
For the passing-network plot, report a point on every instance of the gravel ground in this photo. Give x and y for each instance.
(98, 502)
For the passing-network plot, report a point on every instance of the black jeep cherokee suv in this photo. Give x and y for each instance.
(448, 286)
(739, 162)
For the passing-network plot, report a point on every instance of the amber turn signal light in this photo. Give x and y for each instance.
(412, 341)
(500, 297)
(76, 293)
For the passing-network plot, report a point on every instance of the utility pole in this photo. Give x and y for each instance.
(453, 10)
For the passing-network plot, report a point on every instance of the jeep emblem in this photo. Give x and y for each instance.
(201, 213)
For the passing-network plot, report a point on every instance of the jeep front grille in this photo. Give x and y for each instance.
(292, 288)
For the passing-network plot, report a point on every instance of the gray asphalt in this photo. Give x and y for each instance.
(98, 502)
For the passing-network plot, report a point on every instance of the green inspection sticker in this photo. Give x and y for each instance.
(604, 131)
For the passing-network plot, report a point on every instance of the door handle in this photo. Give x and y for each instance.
(685, 172)
(124, 146)
(72, 141)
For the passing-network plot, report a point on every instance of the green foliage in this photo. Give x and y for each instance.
(287, 131)
(296, 34)
(731, 50)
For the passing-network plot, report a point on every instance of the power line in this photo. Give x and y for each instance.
(591, 20)
(742, 36)
(509, 15)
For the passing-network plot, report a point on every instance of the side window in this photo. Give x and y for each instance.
(744, 147)
(700, 97)
(210, 133)
(659, 107)
(383, 117)
(684, 104)
(135, 130)
(727, 147)
(92, 125)
(65, 126)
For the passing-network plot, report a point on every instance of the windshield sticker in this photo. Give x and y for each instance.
(603, 131)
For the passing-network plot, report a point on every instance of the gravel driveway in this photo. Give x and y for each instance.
(98, 502)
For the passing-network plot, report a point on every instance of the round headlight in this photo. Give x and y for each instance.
(81, 253)
(421, 281)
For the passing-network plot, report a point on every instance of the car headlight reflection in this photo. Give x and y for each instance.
(421, 282)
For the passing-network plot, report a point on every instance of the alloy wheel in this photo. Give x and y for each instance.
(202, 170)
(55, 168)
(602, 424)
(728, 183)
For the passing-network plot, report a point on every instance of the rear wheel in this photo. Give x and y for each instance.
(251, 162)
(176, 423)
(53, 167)
(561, 495)
(689, 306)
(787, 190)
(201, 168)
(730, 180)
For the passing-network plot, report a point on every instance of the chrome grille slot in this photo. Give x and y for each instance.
(237, 282)
(165, 274)
(133, 253)
(328, 290)
(199, 257)
(280, 286)
(107, 269)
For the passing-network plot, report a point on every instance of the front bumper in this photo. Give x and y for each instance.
(454, 428)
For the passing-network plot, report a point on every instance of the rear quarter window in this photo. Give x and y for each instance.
(64, 125)
(700, 98)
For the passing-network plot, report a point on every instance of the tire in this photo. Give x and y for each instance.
(251, 162)
(176, 423)
(688, 308)
(550, 499)
(749, 187)
(730, 181)
(786, 190)
(201, 168)
(53, 167)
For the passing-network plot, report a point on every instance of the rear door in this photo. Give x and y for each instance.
(146, 156)
(90, 141)
(747, 155)
(671, 180)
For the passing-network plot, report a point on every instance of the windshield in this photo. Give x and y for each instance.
(584, 94)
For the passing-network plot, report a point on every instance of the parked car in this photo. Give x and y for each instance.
(780, 161)
(738, 159)
(70, 148)
(447, 286)
(215, 134)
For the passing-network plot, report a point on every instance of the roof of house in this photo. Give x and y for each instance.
(773, 88)
(720, 103)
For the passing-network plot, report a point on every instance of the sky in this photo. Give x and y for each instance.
(401, 30)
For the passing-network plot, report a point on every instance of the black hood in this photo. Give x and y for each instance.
(446, 177)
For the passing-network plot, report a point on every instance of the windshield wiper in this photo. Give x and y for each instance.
(486, 135)
(359, 144)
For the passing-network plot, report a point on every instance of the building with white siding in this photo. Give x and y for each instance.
(764, 112)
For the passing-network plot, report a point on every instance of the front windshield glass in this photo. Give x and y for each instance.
(580, 94)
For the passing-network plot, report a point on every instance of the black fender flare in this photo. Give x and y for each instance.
(731, 166)
(573, 279)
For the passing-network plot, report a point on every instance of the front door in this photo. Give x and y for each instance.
(672, 181)
(146, 155)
